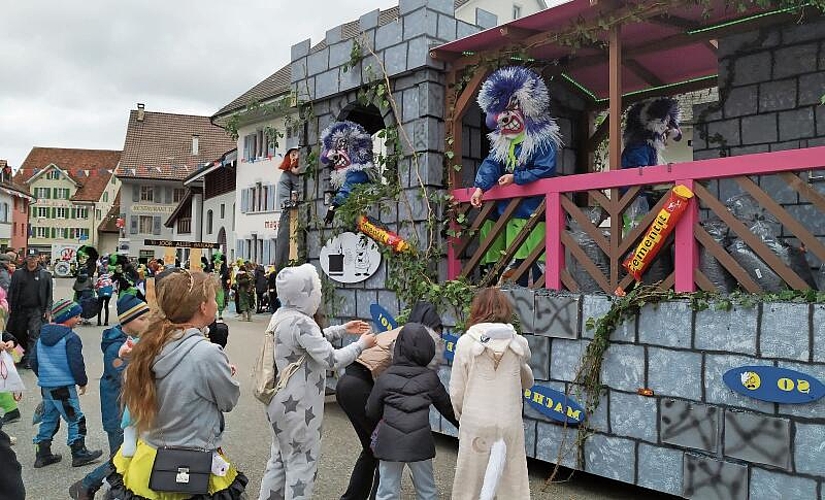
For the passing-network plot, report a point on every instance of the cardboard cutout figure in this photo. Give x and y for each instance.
(347, 149)
(523, 147)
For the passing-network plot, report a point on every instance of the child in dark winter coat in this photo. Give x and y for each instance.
(57, 361)
(401, 399)
(133, 317)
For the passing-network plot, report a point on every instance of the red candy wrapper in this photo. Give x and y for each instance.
(659, 230)
(374, 230)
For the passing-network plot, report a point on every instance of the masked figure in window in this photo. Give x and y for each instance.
(347, 149)
(523, 147)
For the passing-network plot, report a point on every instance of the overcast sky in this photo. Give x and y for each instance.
(70, 70)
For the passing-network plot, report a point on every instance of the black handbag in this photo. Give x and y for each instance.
(181, 470)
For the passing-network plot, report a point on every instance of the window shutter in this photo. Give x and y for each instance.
(54, 233)
(169, 191)
(158, 194)
(245, 200)
(135, 193)
(54, 213)
(156, 224)
(270, 197)
(266, 260)
(133, 225)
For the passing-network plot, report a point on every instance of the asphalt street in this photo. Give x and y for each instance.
(247, 438)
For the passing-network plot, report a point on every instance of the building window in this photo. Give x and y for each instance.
(147, 193)
(208, 222)
(43, 193)
(53, 175)
(62, 193)
(4, 212)
(516, 11)
(178, 194)
(223, 210)
(42, 212)
(61, 213)
(145, 222)
(97, 214)
(184, 225)
(40, 232)
(105, 196)
(80, 213)
(60, 232)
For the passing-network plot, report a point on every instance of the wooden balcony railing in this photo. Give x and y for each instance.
(614, 192)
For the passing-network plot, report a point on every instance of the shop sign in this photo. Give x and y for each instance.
(775, 385)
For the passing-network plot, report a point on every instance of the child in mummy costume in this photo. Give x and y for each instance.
(303, 354)
(523, 147)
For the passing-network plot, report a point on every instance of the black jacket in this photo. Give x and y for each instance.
(44, 291)
(402, 397)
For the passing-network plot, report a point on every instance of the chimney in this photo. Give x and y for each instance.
(195, 139)
(140, 111)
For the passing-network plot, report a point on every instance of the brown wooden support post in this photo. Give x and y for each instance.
(615, 133)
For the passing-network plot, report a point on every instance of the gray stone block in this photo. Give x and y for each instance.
(395, 59)
(746, 42)
(318, 62)
(333, 35)
(431, 169)
(299, 70)
(556, 444)
(465, 29)
(803, 32)
(792, 61)
(611, 457)
(785, 331)
(326, 83)
(565, 358)
(753, 68)
(340, 53)
(779, 190)
(596, 306)
(430, 100)
(691, 425)
(420, 22)
(443, 6)
(741, 101)
(769, 485)
(485, 19)
(660, 469)
(749, 150)
(407, 6)
(349, 79)
(446, 28)
(410, 107)
(733, 331)
(540, 356)
(777, 95)
(300, 49)
(811, 88)
(364, 299)
(808, 449)
(758, 438)
(724, 133)
(419, 54)
(796, 124)
(530, 437)
(378, 280)
(716, 392)
(758, 129)
(531, 413)
(705, 478)
(667, 323)
(623, 367)
(808, 215)
(388, 301)
(347, 306)
(557, 316)
(706, 112)
(675, 373)
(387, 35)
(819, 333)
(369, 20)
(523, 300)
(633, 416)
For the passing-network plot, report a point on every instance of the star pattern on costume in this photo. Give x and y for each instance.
(293, 357)
(309, 456)
(322, 384)
(309, 416)
(298, 488)
(277, 430)
(331, 359)
(295, 445)
(290, 405)
(276, 494)
(307, 371)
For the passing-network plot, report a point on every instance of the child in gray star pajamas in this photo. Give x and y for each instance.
(297, 410)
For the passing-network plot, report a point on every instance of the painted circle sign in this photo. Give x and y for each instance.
(776, 385)
(350, 258)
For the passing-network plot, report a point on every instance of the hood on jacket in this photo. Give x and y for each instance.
(414, 346)
(173, 353)
(51, 333)
(114, 335)
(496, 337)
(425, 313)
(299, 287)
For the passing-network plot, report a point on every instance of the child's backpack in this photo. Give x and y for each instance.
(266, 379)
(105, 286)
(219, 333)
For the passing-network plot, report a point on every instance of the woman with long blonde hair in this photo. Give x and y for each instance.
(177, 386)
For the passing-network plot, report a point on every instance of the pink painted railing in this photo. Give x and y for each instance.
(689, 174)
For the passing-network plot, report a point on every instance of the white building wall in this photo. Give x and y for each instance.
(256, 230)
(6, 209)
(226, 222)
(503, 9)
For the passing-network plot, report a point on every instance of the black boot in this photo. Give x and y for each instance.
(44, 455)
(79, 492)
(82, 456)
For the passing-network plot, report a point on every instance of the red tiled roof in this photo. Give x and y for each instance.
(91, 169)
(160, 146)
(109, 223)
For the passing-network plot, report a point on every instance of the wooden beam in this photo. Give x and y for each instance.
(615, 127)
(514, 33)
(645, 74)
(677, 22)
(468, 94)
(598, 135)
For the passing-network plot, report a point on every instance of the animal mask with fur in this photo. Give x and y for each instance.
(346, 146)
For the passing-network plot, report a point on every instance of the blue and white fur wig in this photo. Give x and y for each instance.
(346, 147)
(653, 121)
(514, 87)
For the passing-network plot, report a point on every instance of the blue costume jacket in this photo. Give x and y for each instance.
(112, 379)
(541, 165)
(351, 179)
(639, 155)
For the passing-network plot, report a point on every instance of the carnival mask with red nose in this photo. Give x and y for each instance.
(509, 122)
(338, 157)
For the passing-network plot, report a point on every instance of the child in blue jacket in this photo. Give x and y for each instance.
(133, 317)
(57, 361)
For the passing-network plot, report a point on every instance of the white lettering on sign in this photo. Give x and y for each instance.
(155, 209)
